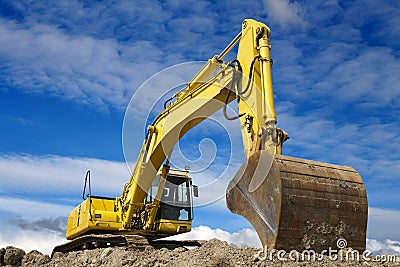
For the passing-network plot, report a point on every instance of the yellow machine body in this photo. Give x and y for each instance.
(98, 215)
(292, 203)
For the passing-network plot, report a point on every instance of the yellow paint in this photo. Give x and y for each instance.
(202, 97)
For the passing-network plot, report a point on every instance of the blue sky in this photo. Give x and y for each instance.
(68, 70)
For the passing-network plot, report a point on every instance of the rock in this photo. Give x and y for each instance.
(180, 249)
(106, 252)
(57, 255)
(212, 253)
(35, 258)
(2, 252)
(13, 256)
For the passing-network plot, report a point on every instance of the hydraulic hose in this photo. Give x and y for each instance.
(236, 82)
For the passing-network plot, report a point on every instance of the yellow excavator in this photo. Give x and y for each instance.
(292, 203)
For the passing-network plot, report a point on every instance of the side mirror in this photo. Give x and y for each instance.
(195, 191)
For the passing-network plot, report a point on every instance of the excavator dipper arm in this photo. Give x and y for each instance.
(215, 85)
(292, 203)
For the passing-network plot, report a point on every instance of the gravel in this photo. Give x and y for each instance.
(211, 253)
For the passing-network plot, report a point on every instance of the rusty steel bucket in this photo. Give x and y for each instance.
(297, 204)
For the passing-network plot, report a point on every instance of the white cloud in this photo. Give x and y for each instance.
(61, 179)
(244, 237)
(285, 13)
(30, 176)
(35, 173)
(383, 224)
(32, 209)
(344, 62)
(386, 247)
(248, 237)
(358, 79)
(98, 55)
(341, 75)
(102, 72)
(60, 176)
(315, 136)
(30, 240)
(46, 241)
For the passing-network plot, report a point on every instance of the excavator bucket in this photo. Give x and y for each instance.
(297, 204)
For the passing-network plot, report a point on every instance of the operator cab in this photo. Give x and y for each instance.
(176, 202)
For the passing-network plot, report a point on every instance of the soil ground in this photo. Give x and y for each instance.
(211, 253)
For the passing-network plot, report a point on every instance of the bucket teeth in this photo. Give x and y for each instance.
(300, 204)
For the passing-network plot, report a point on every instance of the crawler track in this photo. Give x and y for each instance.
(129, 241)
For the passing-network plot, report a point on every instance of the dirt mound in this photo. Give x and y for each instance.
(211, 253)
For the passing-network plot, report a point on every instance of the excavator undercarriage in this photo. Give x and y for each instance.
(292, 203)
(133, 242)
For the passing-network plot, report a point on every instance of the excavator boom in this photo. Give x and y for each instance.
(292, 203)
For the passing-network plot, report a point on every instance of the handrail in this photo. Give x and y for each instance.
(87, 178)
